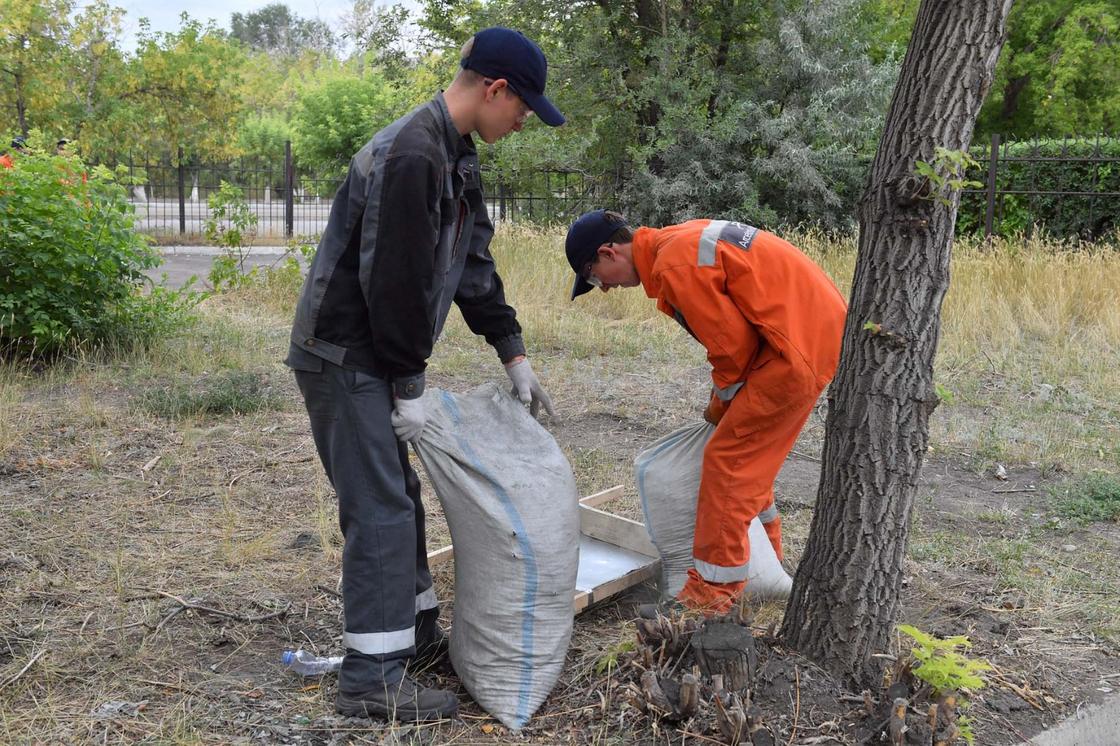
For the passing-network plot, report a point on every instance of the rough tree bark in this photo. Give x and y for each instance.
(845, 597)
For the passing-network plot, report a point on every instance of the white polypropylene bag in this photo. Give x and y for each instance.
(668, 476)
(513, 510)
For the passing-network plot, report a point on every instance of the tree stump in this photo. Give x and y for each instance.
(726, 650)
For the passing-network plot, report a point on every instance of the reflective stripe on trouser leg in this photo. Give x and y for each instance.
(772, 522)
(741, 461)
(380, 643)
(349, 413)
(426, 600)
(720, 573)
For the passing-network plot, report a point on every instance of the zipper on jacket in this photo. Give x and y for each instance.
(459, 228)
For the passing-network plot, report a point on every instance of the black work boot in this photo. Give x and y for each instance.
(431, 642)
(405, 701)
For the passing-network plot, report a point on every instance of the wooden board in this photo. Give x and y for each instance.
(439, 556)
(628, 536)
(614, 529)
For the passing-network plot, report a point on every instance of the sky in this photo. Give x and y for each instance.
(164, 14)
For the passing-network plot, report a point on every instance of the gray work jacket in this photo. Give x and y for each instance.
(408, 234)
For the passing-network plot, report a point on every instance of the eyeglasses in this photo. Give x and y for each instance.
(589, 278)
(524, 112)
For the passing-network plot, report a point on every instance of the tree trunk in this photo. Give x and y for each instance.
(845, 597)
(1011, 93)
(21, 105)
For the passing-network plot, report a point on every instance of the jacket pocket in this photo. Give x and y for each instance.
(773, 388)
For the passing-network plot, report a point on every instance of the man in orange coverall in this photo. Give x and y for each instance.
(771, 321)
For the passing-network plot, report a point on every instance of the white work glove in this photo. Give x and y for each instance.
(527, 387)
(408, 418)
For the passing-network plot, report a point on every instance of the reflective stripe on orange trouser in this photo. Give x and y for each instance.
(741, 461)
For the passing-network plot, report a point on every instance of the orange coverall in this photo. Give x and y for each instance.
(772, 322)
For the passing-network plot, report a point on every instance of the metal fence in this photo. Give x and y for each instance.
(1069, 187)
(170, 197)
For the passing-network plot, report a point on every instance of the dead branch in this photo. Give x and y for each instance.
(219, 612)
(796, 704)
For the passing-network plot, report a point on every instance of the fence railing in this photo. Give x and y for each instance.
(1068, 187)
(170, 196)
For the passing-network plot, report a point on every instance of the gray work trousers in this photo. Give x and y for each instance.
(386, 586)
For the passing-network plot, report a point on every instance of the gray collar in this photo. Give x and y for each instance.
(457, 145)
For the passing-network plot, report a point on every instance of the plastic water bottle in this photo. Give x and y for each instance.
(306, 663)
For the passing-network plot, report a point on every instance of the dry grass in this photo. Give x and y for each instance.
(105, 507)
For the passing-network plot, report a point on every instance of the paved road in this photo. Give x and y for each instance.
(1098, 725)
(309, 218)
(180, 262)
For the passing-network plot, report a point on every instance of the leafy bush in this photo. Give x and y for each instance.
(1068, 168)
(263, 136)
(334, 119)
(72, 265)
(228, 392)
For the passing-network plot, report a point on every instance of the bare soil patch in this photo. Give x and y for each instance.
(152, 570)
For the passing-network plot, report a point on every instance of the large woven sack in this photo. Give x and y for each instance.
(513, 510)
(668, 476)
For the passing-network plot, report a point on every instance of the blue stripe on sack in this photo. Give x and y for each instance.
(531, 578)
(642, 468)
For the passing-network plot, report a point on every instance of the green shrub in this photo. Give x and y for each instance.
(228, 392)
(71, 265)
(1095, 497)
(334, 118)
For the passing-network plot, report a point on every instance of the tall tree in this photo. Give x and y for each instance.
(183, 91)
(94, 76)
(377, 35)
(32, 56)
(846, 594)
(1060, 70)
(276, 30)
(751, 109)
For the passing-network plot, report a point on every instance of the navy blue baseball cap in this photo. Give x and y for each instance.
(504, 53)
(590, 231)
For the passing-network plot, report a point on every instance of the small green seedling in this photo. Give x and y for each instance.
(232, 224)
(943, 393)
(941, 666)
(947, 671)
(609, 660)
(946, 174)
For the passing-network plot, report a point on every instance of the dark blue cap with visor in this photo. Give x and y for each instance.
(510, 55)
(590, 231)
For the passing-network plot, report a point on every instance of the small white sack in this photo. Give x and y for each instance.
(668, 476)
(512, 506)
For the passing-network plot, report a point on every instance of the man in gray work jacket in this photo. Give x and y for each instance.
(408, 234)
